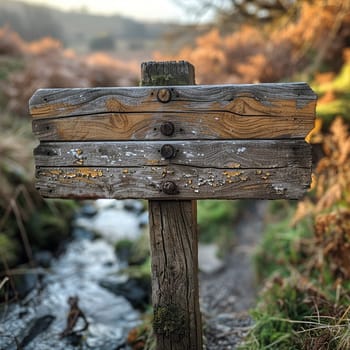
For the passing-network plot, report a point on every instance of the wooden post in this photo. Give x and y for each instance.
(174, 243)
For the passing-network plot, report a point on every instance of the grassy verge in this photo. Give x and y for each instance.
(303, 262)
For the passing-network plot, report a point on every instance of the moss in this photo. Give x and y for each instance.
(169, 320)
(165, 80)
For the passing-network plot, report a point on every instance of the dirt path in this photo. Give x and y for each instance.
(226, 296)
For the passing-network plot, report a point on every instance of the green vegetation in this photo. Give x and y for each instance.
(27, 223)
(334, 96)
(303, 260)
(216, 220)
(303, 304)
(282, 245)
(9, 249)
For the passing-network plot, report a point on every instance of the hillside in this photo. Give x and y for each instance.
(83, 31)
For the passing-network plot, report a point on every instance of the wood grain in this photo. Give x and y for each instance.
(146, 126)
(193, 183)
(284, 99)
(240, 154)
(174, 246)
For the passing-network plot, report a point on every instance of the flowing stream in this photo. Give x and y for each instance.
(36, 323)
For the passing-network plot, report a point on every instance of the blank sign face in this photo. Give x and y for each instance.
(181, 142)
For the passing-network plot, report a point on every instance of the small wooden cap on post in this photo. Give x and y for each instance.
(174, 242)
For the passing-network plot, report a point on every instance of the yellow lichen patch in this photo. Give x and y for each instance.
(230, 174)
(55, 172)
(152, 162)
(166, 172)
(89, 173)
(234, 165)
(126, 171)
(265, 175)
(79, 162)
(70, 175)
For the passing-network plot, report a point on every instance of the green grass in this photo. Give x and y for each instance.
(216, 220)
(302, 305)
(280, 248)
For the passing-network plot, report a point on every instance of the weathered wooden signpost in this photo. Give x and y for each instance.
(172, 145)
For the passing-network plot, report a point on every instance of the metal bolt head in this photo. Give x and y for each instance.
(168, 151)
(169, 187)
(164, 95)
(167, 128)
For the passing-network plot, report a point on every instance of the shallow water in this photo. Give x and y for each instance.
(36, 322)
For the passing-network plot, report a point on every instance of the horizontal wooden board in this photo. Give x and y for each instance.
(285, 99)
(243, 154)
(192, 182)
(146, 126)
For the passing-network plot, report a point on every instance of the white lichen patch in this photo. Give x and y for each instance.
(77, 153)
(241, 150)
(130, 154)
(279, 189)
(188, 154)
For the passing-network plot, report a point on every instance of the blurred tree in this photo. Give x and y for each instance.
(310, 37)
(229, 14)
(234, 12)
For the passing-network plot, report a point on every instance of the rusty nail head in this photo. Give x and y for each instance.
(169, 187)
(164, 95)
(167, 128)
(168, 151)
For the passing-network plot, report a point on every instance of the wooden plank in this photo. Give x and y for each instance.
(146, 126)
(241, 154)
(284, 99)
(192, 182)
